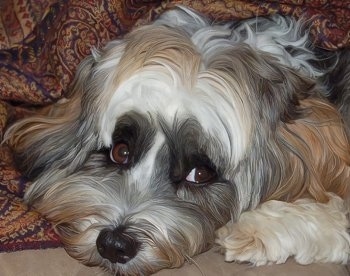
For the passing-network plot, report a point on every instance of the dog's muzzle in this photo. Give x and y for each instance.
(116, 245)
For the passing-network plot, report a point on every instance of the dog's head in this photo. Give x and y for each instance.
(170, 133)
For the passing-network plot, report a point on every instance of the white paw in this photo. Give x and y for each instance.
(241, 246)
(305, 229)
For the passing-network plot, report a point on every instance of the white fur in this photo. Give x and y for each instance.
(276, 230)
(146, 167)
(159, 94)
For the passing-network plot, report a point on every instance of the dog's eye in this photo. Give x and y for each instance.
(120, 154)
(200, 175)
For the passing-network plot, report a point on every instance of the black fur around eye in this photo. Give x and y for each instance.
(132, 138)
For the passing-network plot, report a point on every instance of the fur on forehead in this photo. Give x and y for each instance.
(183, 66)
(161, 73)
(159, 91)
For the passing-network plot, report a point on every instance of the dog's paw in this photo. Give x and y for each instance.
(241, 246)
(277, 230)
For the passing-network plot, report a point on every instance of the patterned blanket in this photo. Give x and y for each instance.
(42, 41)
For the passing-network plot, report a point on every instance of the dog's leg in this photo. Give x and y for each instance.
(276, 230)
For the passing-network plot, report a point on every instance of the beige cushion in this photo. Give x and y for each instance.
(55, 262)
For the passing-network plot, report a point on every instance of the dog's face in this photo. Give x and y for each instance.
(162, 180)
(171, 133)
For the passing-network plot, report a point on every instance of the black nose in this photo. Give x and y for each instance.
(116, 245)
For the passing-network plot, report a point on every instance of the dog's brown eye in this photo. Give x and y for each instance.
(200, 175)
(120, 154)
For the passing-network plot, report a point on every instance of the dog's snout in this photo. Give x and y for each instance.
(116, 245)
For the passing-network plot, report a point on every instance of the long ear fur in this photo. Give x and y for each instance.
(319, 152)
(300, 147)
(55, 136)
(311, 146)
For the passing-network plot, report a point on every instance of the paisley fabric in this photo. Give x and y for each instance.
(42, 42)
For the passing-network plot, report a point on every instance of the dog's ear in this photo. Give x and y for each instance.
(300, 146)
(306, 146)
(53, 139)
(319, 151)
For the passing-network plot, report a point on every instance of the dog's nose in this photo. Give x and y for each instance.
(116, 245)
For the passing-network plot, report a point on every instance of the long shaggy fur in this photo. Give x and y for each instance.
(242, 101)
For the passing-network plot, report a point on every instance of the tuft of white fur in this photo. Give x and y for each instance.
(266, 37)
(273, 35)
(276, 230)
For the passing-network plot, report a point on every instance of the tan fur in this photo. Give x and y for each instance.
(320, 156)
(23, 134)
(154, 46)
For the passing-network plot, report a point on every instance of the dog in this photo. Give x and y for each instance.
(186, 133)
